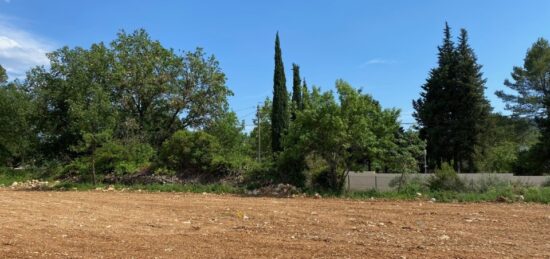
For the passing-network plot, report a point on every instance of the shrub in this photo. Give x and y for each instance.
(445, 179)
(112, 157)
(262, 174)
(409, 185)
(191, 152)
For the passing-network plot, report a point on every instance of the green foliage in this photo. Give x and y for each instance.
(344, 135)
(280, 110)
(16, 132)
(112, 157)
(3, 75)
(297, 103)
(532, 100)
(262, 174)
(452, 111)
(134, 85)
(445, 179)
(263, 128)
(191, 153)
(503, 142)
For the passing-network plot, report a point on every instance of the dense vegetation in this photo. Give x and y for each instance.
(134, 111)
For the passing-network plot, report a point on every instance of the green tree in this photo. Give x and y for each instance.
(470, 108)
(163, 92)
(3, 75)
(531, 99)
(305, 95)
(279, 111)
(343, 135)
(262, 127)
(432, 109)
(452, 111)
(152, 90)
(296, 90)
(17, 138)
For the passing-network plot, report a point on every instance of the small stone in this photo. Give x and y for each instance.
(444, 237)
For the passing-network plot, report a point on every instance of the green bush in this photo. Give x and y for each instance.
(410, 185)
(262, 174)
(191, 152)
(446, 179)
(112, 157)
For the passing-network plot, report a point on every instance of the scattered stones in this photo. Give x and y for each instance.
(33, 185)
(279, 190)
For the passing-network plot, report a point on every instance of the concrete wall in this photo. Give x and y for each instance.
(363, 181)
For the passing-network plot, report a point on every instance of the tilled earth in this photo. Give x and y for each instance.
(167, 225)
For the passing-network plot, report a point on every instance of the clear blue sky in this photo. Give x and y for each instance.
(385, 47)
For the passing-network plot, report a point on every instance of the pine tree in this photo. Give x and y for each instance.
(296, 90)
(279, 112)
(453, 111)
(471, 108)
(432, 109)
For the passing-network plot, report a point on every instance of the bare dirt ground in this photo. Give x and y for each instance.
(166, 225)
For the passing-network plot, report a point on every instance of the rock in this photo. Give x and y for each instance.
(444, 237)
(418, 194)
(433, 200)
(317, 196)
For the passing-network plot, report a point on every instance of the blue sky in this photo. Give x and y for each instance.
(385, 47)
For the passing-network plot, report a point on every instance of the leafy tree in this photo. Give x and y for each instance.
(263, 128)
(531, 99)
(296, 90)
(279, 111)
(343, 134)
(163, 92)
(16, 131)
(234, 144)
(503, 142)
(3, 75)
(149, 91)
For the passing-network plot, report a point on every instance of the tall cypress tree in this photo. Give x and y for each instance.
(432, 109)
(305, 94)
(279, 112)
(470, 107)
(296, 90)
(452, 111)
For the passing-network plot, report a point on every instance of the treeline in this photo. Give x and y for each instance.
(135, 108)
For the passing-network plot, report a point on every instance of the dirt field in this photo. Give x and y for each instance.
(166, 225)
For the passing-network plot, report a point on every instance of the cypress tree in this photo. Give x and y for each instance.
(279, 112)
(305, 94)
(470, 107)
(452, 111)
(296, 90)
(432, 109)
